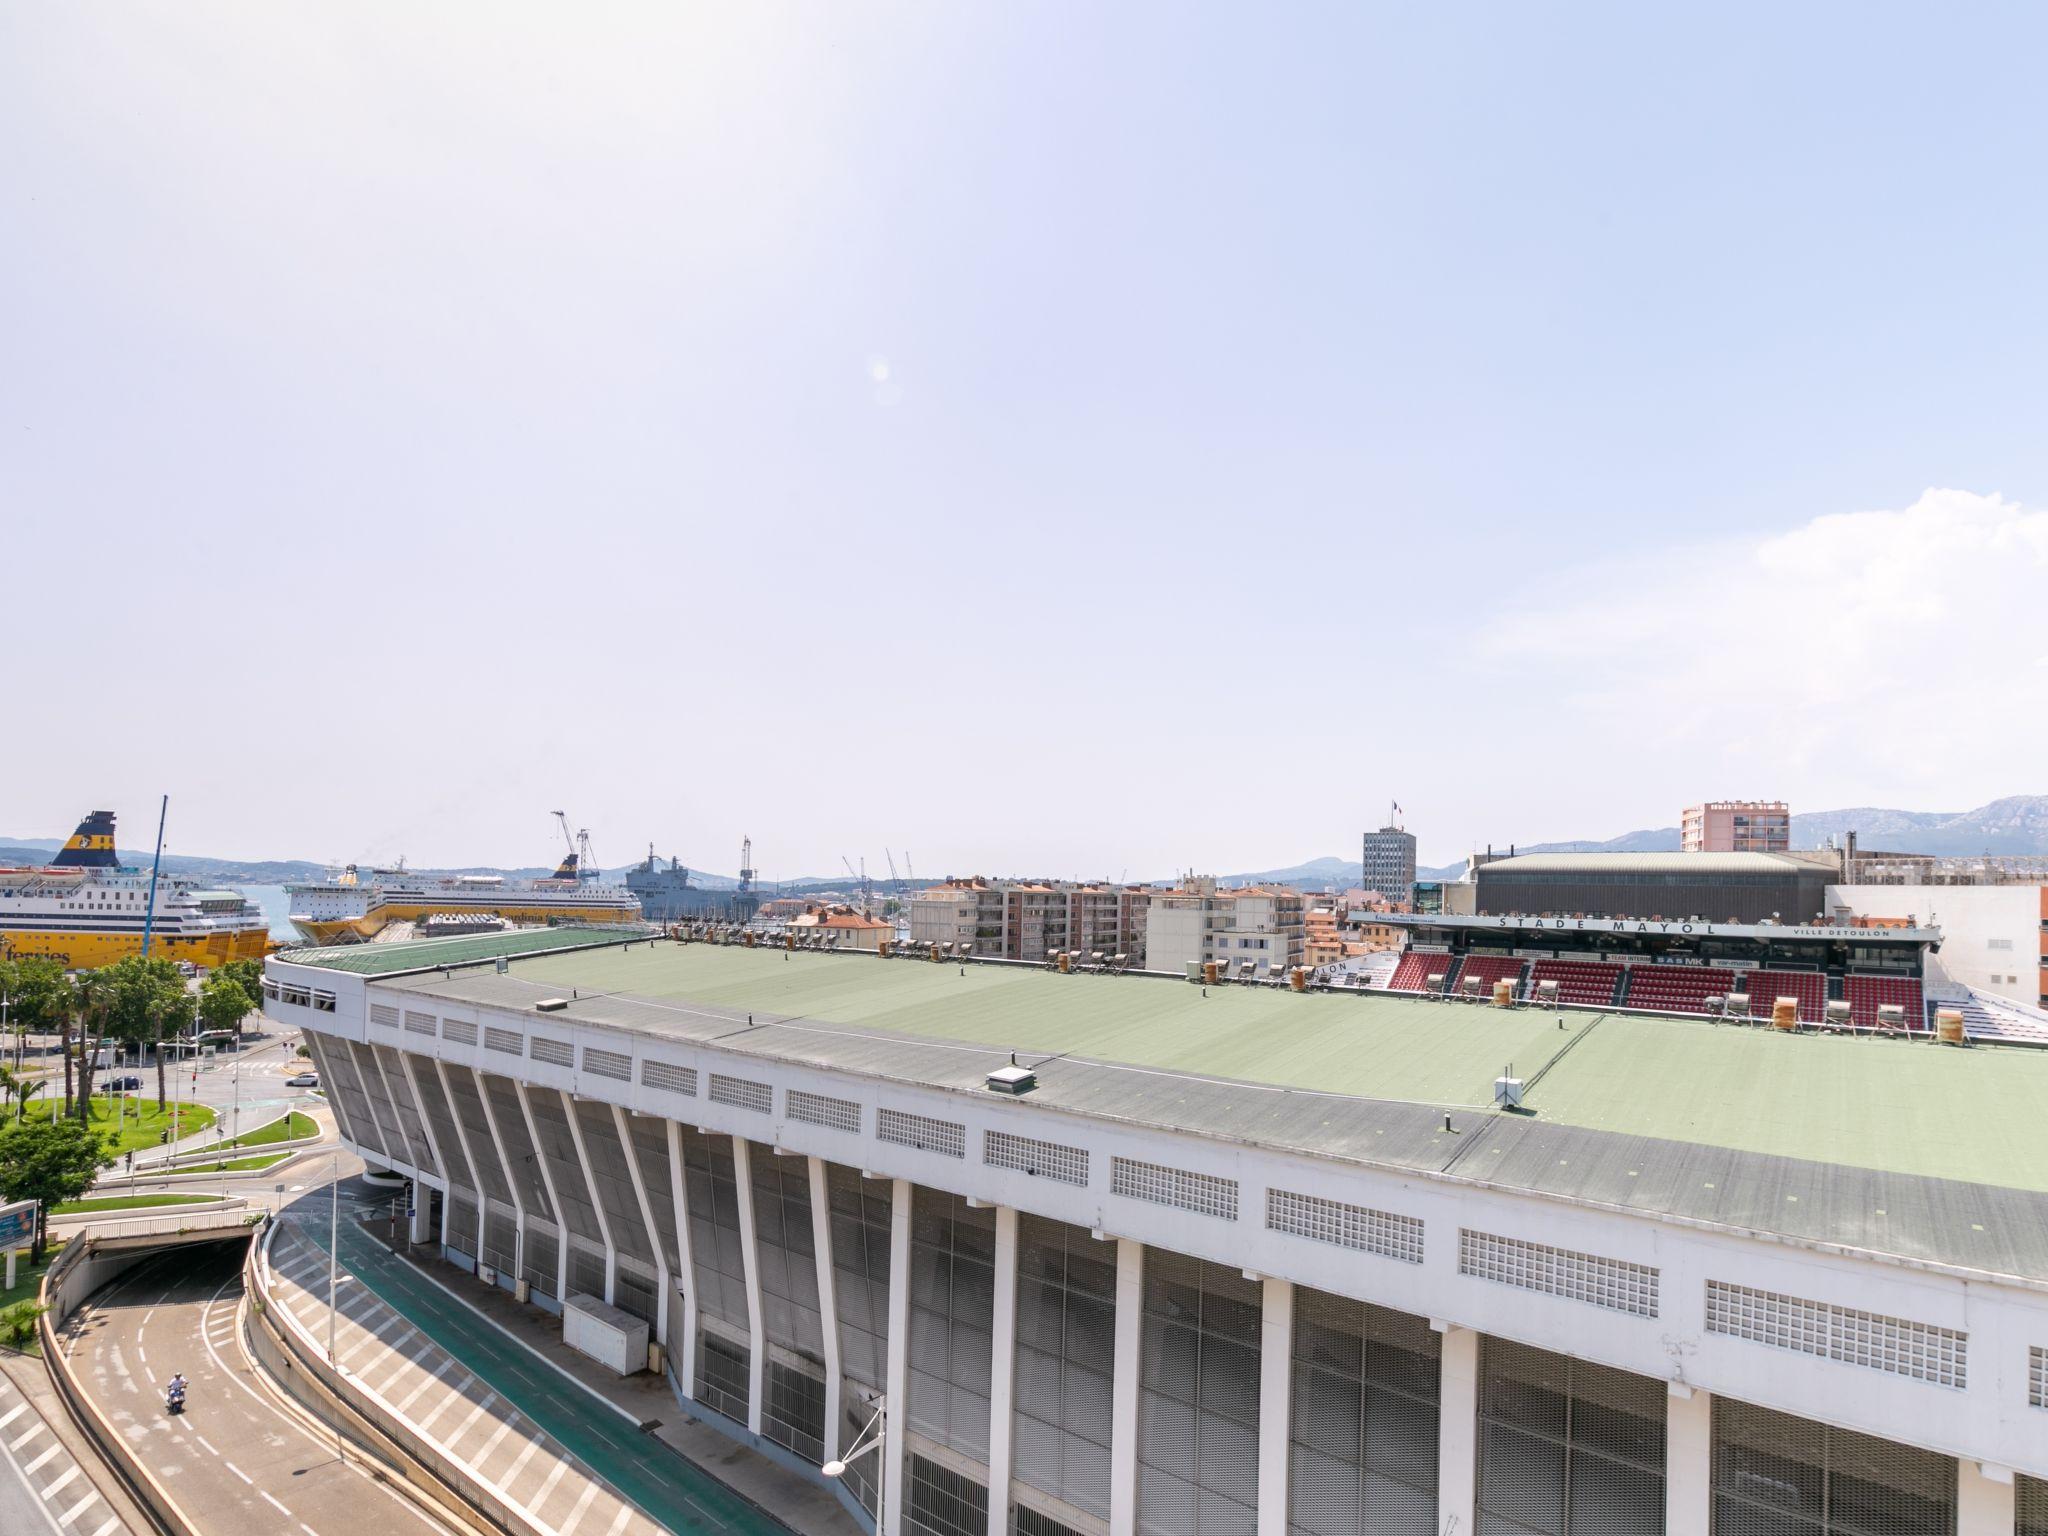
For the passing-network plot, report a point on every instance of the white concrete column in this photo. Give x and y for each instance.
(483, 1097)
(828, 1299)
(1276, 1385)
(750, 1254)
(896, 1420)
(547, 1179)
(409, 1067)
(604, 1227)
(419, 1225)
(1985, 1499)
(624, 1128)
(1002, 1374)
(483, 1198)
(1688, 1460)
(1123, 1412)
(1457, 1449)
(686, 1252)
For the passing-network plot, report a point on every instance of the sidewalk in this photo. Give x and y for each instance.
(797, 1502)
(577, 1467)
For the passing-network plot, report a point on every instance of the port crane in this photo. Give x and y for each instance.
(860, 876)
(579, 847)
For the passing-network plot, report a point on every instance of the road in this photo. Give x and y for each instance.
(236, 1461)
(44, 1491)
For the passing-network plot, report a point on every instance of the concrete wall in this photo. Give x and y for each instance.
(1991, 935)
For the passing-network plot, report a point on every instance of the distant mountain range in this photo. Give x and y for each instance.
(2017, 824)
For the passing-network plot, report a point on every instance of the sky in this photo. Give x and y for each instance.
(1030, 438)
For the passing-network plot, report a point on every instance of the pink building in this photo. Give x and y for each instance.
(1736, 826)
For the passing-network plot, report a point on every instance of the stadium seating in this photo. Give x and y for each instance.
(1586, 983)
(1415, 969)
(1489, 969)
(1810, 987)
(1676, 988)
(1867, 993)
(1375, 970)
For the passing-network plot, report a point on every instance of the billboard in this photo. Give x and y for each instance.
(17, 1224)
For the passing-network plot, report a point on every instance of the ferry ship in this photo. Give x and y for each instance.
(358, 904)
(87, 909)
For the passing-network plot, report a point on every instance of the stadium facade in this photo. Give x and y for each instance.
(1243, 1259)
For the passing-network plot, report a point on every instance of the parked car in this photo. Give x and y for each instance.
(303, 1080)
(130, 1084)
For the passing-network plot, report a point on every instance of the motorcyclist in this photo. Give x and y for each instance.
(176, 1393)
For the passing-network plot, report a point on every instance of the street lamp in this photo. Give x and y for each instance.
(869, 1439)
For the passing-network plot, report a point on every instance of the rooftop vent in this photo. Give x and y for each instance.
(1012, 1079)
(551, 1005)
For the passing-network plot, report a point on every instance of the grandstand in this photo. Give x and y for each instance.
(1581, 983)
(1416, 967)
(1809, 987)
(1866, 994)
(1488, 969)
(1675, 988)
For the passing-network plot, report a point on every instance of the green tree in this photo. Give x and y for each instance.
(222, 1002)
(248, 975)
(174, 1015)
(37, 992)
(142, 995)
(16, 1089)
(49, 1161)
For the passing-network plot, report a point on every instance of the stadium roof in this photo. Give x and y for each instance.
(1928, 1152)
(1662, 864)
(458, 949)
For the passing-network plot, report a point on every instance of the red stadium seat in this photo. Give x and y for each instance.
(1415, 969)
(1489, 969)
(1585, 983)
(1676, 988)
(1810, 987)
(1867, 994)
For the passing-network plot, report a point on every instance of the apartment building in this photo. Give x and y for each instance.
(1389, 863)
(1736, 826)
(1024, 919)
(1263, 924)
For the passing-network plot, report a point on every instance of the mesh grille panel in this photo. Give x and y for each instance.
(419, 1023)
(543, 1256)
(557, 1053)
(410, 1125)
(616, 1065)
(1066, 1347)
(794, 1414)
(461, 1031)
(669, 1077)
(788, 1258)
(1345, 1226)
(2031, 1499)
(942, 1502)
(426, 1084)
(1182, 1188)
(1774, 1473)
(742, 1093)
(823, 1109)
(1043, 1159)
(649, 1145)
(946, 1137)
(586, 1271)
(860, 1274)
(462, 1222)
(1363, 1451)
(1567, 1448)
(714, 1211)
(605, 1161)
(635, 1291)
(722, 1376)
(508, 1042)
(476, 1133)
(1612, 1283)
(564, 1165)
(522, 1161)
(952, 1311)
(2037, 1376)
(1198, 1399)
(385, 1014)
(1893, 1344)
(501, 1242)
(376, 1102)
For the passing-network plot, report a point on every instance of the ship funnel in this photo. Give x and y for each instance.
(91, 846)
(566, 870)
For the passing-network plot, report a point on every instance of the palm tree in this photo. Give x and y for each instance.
(91, 994)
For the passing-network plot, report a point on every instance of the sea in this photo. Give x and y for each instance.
(276, 907)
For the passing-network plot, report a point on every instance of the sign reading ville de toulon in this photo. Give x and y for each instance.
(1673, 927)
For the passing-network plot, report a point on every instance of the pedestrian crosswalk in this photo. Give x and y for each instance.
(44, 1469)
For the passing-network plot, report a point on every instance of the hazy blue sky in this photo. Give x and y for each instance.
(1062, 438)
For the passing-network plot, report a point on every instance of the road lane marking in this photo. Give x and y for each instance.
(113, 1521)
(274, 1504)
(48, 1455)
(546, 1488)
(490, 1445)
(619, 1520)
(205, 1442)
(12, 1414)
(518, 1465)
(576, 1512)
(459, 1393)
(25, 1436)
(78, 1509)
(245, 1477)
(308, 1529)
(463, 1428)
(63, 1482)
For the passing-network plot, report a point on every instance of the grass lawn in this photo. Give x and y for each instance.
(136, 1124)
(239, 1165)
(125, 1203)
(291, 1129)
(28, 1278)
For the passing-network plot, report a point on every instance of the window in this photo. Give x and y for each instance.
(1775, 1472)
(1066, 1349)
(1364, 1426)
(1567, 1448)
(1198, 1399)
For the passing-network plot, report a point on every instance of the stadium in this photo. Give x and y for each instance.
(1086, 1252)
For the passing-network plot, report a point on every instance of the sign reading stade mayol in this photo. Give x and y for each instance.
(1673, 927)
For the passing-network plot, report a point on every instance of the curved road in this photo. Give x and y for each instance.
(235, 1461)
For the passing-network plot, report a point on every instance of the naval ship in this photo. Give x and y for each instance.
(85, 908)
(360, 903)
(667, 896)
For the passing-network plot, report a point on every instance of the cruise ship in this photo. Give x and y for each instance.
(86, 909)
(361, 904)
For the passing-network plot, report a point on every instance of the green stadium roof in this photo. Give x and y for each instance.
(465, 949)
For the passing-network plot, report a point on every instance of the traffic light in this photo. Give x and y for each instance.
(163, 1138)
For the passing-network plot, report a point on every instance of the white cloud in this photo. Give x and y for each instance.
(1887, 655)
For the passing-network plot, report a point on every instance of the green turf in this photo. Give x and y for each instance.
(292, 1128)
(124, 1203)
(239, 1165)
(135, 1125)
(28, 1278)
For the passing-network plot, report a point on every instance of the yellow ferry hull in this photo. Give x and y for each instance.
(89, 951)
(355, 930)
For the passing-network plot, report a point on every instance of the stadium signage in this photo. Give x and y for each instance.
(1653, 927)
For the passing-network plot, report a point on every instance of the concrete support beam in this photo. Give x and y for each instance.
(1123, 1412)
(604, 1226)
(1688, 1461)
(511, 1177)
(896, 1421)
(1985, 1499)
(828, 1299)
(1457, 1465)
(623, 1125)
(750, 1255)
(686, 1373)
(483, 1198)
(412, 1067)
(1276, 1383)
(1002, 1374)
(547, 1179)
